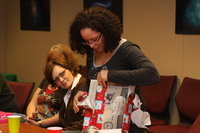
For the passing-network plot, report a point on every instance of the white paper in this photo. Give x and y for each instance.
(111, 131)
(139, 117)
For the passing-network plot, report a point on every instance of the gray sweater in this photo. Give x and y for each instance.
(128, 66)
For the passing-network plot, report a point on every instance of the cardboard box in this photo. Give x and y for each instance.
(108, 107)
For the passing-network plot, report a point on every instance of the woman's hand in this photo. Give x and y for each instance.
(32, 122)
(102, 77)
(33, 117)
(76, 99)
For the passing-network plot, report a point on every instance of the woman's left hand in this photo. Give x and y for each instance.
(102, 77)
(32, 122)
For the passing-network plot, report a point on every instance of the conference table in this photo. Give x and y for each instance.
(24, 128)
(27, 128)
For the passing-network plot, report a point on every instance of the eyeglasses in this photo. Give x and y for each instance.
(56, 80)
(92, 42)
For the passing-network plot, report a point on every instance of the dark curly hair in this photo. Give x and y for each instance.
(72, 66)
(98, 19)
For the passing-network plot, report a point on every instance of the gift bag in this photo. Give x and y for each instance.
(3, 116)
(108, 107)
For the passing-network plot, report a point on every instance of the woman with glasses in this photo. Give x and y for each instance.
(65, 75)
(110, 58)
(48, 98)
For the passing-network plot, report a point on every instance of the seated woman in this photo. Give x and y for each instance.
(64, 74)
(48, 99)
(8, 102)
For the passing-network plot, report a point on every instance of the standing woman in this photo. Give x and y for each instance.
(110, 58)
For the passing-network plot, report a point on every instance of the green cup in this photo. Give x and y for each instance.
(13, 123)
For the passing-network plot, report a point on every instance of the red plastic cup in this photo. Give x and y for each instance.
(54, 129)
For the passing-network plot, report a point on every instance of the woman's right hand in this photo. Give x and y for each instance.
(33, 117)
(76, 99)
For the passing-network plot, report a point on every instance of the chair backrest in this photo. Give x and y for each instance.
(157, 95)
(195, 128)
(22, 92)
(83, 71)
(188, 98)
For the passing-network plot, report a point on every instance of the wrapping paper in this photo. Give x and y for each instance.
(139, 117)
(108, 107)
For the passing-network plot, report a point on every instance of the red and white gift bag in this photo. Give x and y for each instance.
(108, 107)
